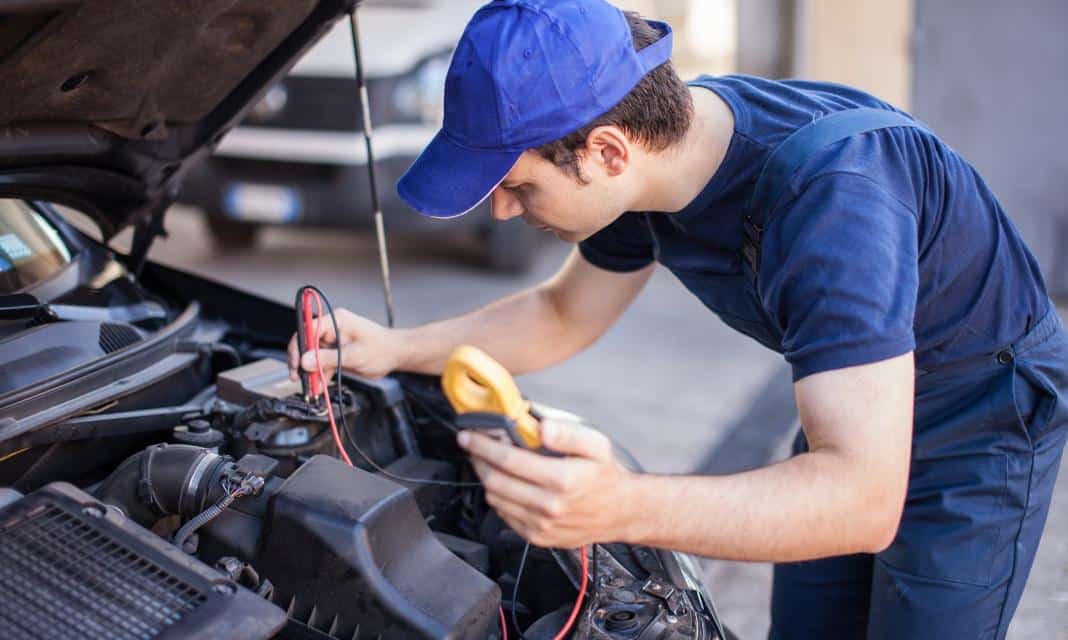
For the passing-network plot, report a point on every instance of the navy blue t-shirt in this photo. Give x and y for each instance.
(883, 243)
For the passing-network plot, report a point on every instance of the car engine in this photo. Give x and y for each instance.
(235, 518)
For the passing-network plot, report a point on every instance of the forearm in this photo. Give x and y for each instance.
(811, 506)
(524, 332)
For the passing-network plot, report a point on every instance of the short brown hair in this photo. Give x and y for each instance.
(656, 113)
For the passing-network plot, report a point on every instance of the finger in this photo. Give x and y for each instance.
(515, 517)
(526, 465)
(328, 358)
(539, 532)
(294, 357)
(504, 486)
(327, 337)
(576, 439)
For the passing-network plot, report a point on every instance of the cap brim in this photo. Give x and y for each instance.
(448, 180)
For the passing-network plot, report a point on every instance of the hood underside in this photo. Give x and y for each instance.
(105, 103)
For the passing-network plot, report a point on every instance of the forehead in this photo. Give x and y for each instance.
(530, 166)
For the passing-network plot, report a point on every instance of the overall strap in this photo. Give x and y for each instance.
(792, 153)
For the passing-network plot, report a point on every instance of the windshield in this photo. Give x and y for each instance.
(30, 248)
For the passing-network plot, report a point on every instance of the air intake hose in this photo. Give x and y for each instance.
(166, 479)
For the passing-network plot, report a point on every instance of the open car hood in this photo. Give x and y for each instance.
(105, 104)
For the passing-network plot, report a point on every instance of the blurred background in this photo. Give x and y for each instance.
(284, 202)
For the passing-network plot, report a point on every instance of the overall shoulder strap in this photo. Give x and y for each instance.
(792, 153)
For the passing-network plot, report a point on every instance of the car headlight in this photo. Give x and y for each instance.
(270, 105)
(420, 94)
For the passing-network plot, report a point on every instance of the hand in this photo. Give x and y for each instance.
(367, 349)
(555, 502)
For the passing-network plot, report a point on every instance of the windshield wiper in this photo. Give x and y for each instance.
(26, 306)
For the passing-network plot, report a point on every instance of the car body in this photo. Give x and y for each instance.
(299, 158)
(160, 475)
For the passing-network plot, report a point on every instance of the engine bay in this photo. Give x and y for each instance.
(247, 485)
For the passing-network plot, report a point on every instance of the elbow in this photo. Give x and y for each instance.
(881, 538)
(882, 527)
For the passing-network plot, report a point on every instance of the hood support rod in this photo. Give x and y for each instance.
(365, 108)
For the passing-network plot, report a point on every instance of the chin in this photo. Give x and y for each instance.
(570, 236)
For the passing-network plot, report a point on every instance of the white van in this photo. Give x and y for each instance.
(299, 156)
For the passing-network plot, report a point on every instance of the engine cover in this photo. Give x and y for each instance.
(351, 555)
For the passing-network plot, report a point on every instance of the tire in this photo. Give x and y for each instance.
(231, 234)
(511, 246)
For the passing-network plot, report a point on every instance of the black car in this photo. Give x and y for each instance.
(160, 475)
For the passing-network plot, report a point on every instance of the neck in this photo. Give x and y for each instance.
(675, 176)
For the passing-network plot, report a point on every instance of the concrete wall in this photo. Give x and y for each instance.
(991, 78)
(862, 43)
(766, 37)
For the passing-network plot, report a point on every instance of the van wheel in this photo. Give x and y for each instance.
(232, 234)
(511, 246)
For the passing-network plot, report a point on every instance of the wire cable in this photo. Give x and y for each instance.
(322, 300)
(313, 293)
(322, 376)
(578, 601)
(515, 588)
(206, 516)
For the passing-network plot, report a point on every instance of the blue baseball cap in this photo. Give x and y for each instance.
(525, 73)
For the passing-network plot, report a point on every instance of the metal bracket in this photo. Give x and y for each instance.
(669, 594)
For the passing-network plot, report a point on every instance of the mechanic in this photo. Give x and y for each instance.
(929, 364)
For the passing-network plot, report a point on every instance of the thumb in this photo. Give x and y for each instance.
(575, 439)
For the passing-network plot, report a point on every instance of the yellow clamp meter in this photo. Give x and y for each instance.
(485, 396)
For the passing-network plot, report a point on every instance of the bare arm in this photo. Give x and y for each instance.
(535, 328)
(844, 496)
(525, 332)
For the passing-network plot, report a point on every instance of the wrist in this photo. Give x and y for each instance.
(405, 350)
(631, 497)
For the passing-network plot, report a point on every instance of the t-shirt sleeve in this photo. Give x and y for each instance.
(625, 245)
(839, 274)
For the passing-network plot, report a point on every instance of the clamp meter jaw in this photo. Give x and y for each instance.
(486, 397)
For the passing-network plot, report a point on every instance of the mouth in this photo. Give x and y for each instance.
(540, 226)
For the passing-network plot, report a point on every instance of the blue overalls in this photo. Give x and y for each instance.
(987, 443)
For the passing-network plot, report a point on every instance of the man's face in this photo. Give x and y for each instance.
(548, 198)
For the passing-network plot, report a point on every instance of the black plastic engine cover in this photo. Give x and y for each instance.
(351, 556)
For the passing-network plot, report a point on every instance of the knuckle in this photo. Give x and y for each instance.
(542, 527)
(554, 508)
(565, 481)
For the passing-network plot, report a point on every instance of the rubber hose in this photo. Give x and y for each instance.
(164, 479)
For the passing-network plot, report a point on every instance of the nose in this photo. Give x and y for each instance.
(505, 205)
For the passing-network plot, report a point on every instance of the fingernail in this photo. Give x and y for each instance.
(463, 438)
(548, 432)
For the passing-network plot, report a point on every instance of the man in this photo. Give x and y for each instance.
(928, 362)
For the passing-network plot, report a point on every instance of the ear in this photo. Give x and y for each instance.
(609, 147)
